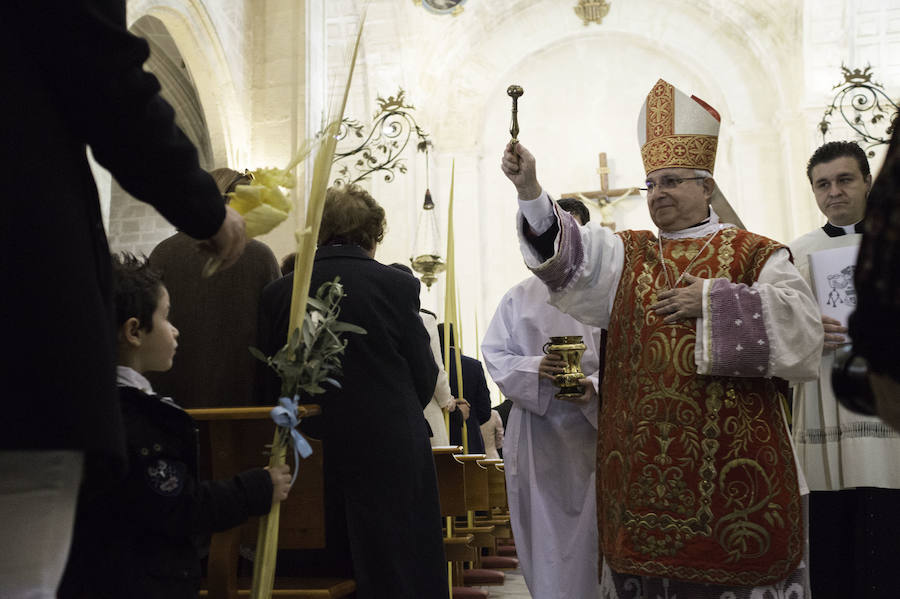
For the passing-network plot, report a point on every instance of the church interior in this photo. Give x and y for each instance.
(429, 115)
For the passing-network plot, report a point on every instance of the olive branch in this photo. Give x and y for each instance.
(312, 355)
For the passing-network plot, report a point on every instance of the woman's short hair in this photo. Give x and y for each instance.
(351, 215)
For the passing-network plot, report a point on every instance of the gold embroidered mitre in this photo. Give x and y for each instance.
(677, 131)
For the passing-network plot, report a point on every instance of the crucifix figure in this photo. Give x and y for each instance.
(605, 197)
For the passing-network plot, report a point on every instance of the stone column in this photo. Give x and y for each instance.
(278, 97)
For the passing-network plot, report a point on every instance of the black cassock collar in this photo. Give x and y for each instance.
(833, 231)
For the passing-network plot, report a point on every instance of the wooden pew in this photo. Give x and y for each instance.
(498, 517)
(452, 494)
(496, 483)
(478, 499)
(233, 440)
(467, 483)
(499, 504)
(476, 481)
(451, 479)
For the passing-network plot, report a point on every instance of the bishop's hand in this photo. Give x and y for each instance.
(518, 165)
(681, 303)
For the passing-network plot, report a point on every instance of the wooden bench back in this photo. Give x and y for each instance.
(233, 440)
(451, 477)
(476, 482)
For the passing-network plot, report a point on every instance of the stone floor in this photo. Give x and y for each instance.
(513, 587)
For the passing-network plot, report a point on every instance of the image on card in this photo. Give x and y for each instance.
(831, 272)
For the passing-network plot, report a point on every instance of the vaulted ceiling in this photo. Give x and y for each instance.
(448, 64)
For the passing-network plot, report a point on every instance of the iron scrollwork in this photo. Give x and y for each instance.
(864, 105)
(381, 150)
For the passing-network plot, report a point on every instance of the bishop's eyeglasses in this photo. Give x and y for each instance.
(667, 182)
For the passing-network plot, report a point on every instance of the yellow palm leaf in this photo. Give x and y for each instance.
(262, 204)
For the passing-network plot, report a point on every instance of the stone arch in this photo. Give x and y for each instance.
(189, 61)
(197, 37)
(742, 59)
(178, 89)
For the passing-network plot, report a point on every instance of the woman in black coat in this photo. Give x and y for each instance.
(382, 511)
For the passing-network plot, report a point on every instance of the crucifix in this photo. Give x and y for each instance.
(605, 197)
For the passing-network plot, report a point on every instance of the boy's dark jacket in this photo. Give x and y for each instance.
(140, 540)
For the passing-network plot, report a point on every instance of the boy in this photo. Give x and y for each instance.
(141, 539)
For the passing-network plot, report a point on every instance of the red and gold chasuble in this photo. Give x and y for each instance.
(696, 477)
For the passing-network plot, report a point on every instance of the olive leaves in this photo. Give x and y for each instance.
(312, 355)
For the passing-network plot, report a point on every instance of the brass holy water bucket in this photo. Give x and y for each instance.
(570, 348)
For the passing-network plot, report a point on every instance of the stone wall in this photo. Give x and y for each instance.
(134, 226)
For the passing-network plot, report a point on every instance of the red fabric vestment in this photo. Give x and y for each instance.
(696, 478)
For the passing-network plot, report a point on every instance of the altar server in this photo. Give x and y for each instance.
(549, 446)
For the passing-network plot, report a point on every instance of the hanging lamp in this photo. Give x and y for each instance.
(426, 255)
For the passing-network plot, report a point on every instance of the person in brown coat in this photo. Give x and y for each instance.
(216, 316)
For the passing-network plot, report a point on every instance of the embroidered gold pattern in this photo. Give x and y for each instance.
(661, 110)
(680, 151)
(691, 466)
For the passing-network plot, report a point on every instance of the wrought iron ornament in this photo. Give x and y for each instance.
(864, 105)
(381, 149)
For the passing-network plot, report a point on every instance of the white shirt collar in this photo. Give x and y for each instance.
(129, 377)
(707, 227)
(848, 229)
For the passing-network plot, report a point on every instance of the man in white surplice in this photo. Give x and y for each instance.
(549, 448)
(850, 460)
